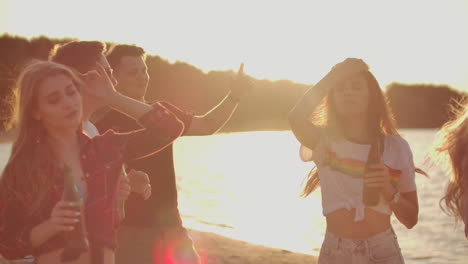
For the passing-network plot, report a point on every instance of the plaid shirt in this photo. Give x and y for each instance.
(160, 210)
(101, 159)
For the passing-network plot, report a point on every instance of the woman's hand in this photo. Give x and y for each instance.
(406, 209)
(98, 84)
(379, 177)
(123, 188)
(140, 183)
(64, 217)
(348, 67)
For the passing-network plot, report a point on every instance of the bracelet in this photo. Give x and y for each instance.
(233, 99)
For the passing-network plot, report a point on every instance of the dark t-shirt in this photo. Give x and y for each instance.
(160, 210)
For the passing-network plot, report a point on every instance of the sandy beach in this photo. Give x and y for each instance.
(217, 249)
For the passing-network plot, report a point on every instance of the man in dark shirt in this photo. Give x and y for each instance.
(152, 231)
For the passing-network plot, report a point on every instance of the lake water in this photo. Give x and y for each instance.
(247, 185)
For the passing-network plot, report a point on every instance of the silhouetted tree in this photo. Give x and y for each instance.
(421, 105)
(188, 87)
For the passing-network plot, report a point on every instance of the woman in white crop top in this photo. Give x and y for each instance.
(339, 122)
(452, 147)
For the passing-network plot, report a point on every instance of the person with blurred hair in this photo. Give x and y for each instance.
(51, 143)
(153, 231)
(82, 57)
(346, 128)
(451, 148)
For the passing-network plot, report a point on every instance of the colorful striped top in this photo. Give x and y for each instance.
(341, 165)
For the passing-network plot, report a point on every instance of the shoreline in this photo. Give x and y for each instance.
(218, 249)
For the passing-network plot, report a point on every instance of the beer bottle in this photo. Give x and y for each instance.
(371, 195)
(121, 203)
(76, 240)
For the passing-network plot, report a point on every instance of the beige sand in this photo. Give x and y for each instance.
(218, 249)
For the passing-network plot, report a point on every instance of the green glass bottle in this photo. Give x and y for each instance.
(121, 203)
(371, 195)
(76, 240)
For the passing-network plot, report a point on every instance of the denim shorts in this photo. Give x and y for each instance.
(381, 248)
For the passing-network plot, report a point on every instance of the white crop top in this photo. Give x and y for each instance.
(341, 166)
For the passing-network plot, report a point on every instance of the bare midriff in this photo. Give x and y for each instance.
(341, 223)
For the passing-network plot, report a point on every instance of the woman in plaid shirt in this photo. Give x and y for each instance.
(48, 114)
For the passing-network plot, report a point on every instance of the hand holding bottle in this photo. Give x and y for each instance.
(124, 188)
(140, 183)
(64, 217)
(77, 239)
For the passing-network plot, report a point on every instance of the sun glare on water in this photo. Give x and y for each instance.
(248, 189)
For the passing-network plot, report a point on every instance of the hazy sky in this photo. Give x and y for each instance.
(402, 40)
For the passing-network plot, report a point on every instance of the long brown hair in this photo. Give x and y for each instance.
(451, 148)
(26, 175)
(380, 122)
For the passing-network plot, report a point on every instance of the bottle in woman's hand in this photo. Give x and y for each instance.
(76, 239)
(371, 195)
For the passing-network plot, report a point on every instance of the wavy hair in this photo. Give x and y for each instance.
(380, 121)
(450, 149)
(25, 176)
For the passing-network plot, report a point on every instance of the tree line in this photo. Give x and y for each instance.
(265, 108)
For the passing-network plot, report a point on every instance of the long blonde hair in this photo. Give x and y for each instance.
(380, 122)
(26, 175)
(451, 148)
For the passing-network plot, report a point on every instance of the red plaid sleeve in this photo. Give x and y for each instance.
(14, 234)
(161, 128)
(184, 116)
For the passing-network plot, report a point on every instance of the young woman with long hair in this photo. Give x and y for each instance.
(451, 150)
(50, 142)
(345, 126)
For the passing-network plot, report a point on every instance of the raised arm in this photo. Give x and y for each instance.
(99, 86)
(215, 119)
(306, 132)
(160, 126)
